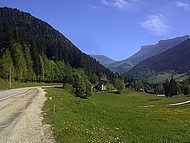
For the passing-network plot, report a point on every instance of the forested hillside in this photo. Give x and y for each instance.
(32, 50)
(175, 60)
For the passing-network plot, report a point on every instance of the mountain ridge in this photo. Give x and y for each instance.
(146, 52)
(175, 60)
(104, 60)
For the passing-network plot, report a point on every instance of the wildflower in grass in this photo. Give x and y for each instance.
(117, 129)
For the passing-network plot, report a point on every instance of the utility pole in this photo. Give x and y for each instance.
(10, 77)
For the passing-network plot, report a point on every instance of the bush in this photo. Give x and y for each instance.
(119, 85)
(78, 83)
(68, 87)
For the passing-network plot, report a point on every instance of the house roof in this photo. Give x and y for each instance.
(104, 79)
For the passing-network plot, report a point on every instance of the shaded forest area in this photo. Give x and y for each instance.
(34, 51)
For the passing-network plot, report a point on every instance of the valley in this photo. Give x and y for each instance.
(167, 57)
(144, 98)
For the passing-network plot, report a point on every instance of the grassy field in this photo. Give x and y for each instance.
(162, 77)
(113, 118)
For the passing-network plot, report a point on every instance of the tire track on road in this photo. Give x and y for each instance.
(22, 119)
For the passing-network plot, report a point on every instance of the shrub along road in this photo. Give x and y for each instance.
(21, 118)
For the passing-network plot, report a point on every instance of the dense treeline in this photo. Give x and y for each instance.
(33, 51)
(169, 88)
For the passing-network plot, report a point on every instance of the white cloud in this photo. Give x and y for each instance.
(120, 3)
(183, 5)
(95, 7)
(156, 25)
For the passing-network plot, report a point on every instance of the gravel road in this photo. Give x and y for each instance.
(21, 118)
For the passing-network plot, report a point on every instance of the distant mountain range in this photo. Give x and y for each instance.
(145, 53)
(167, 57)
(104, 60)
(173, 60)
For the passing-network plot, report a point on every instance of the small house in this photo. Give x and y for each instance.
(102, 85)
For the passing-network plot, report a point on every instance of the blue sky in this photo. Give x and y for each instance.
(115, 28)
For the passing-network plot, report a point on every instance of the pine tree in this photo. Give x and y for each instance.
(6, 64)
(41, 74)
(35, 58)
(29, 63)
(166, 86)
(19, 62)
(173, 87)
(170, 87)
(5, 39)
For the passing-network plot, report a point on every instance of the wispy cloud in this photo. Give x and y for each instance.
(95, 7)
(121, 4)
(116, 3)
(183, 5)
(156, 25)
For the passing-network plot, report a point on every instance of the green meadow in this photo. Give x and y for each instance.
(131, 117)
(160, 78)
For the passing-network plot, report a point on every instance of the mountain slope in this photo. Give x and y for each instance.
(104, 60)
(42, 42)
(175, 59)
(145, 53)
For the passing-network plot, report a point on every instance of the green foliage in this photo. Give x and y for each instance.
(119, 85)
(79, 85)
(93, 79)
(161, 77)
(79, 82)
(170, 87)
(5, 38)
(110, 87)
(19, 62)
(159, 89)
(6, 65)
(42, 71)
(88, 90)
(68, 87)
(29, 63)
(173, 87)
(137, 85)
(4, 84)
(185, 87)
(39, 52)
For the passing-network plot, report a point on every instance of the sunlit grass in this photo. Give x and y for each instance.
(162, 77)
(129, 117)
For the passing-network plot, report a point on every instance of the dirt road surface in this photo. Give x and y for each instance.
(21, 118)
